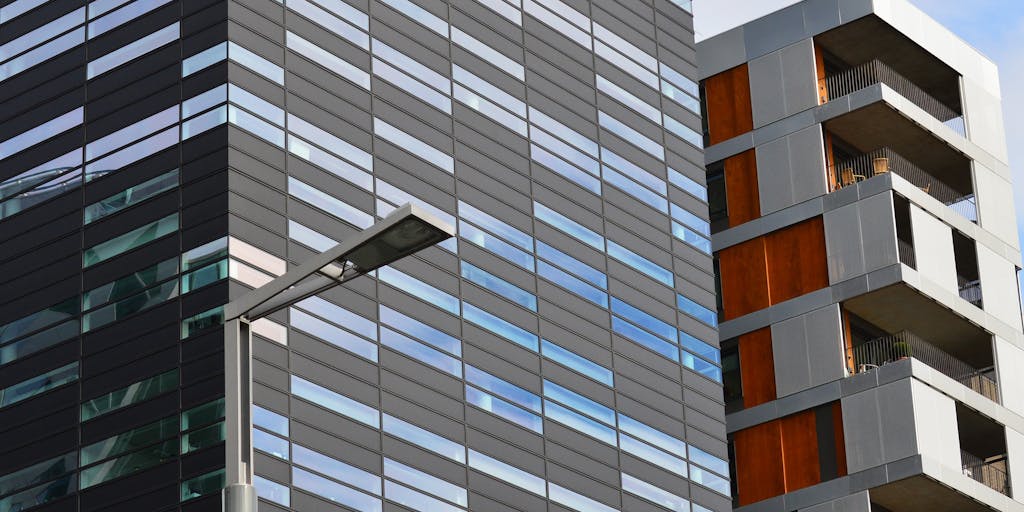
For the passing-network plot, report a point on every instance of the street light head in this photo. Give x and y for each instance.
(407, 230)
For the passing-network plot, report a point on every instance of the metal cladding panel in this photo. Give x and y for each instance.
(878, 225)
(790, 356)
(938, 436)
(767, 90)
(984, 117)
(773, 186)
(933, 248)
(807, 162)
(995, 198)
(843, 241)
(798, 75)
(999, 288)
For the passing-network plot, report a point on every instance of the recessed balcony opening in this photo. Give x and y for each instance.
(983, 449)
(904, 232)
(968, 280)
(869, 51)
(732, 383)
(876, 140)
(870, 346)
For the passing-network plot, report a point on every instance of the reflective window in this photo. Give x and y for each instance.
(703, 349)
(203, 438)
(505, 9)
(255, 104)
(499, 407)
(38, 341)
(131, 196)
(581, 37)
(563, 168)
(569, 226)
(327, 59)
(630, 100)
(496, 226)
(496, 245)
(690, 219)
(412, 86)
(254, 62)
(421, 352)
(202, 485)
(579, 422)
(688, 306)
(576, 362)
(420, 330)
(338, 26)
(204, 122)
(564, 132)
(630, 135)
(270, 420)
(420, 14)
(678, 78)
(272, 491)
(682, 181)
(40, 173)
(98, 7)
(572, 283)
(38, 472)
(39, 384)
(645, 320)
(42, 53)
(125, 307)
(655, 494)
(337, 146)
(43, 33)
(632, 188)
(488, 54)
(579, 402)
(684, 132)
(675, 94)
(130, 284)
(129, 441)
(17, 8)
(128, 464)
(423, 438)
(329, 203)
(709, 461)
(204, 59)
(506, 472)
(645, 339)
(341, 404)
(425, 482)
(499, 286)
(702, 367)
(40, 494)
(63, 310)
(644, 265)
(691, 237)
(494, 93)
(132, 394)
(641, 175)
(573, 265)
(575, 500)
(133, 50)
(491, 110)
(709, 480)
(639, 72)
(413, 145)
(308, 237)
(652, 436)
(270, 444)
(130, 240)
(134, 153)
(340, 316)
(205, 320)
(329, 162)
(336, 469)
(335, 492)
(332, 334)
(344, 10)
(256, 126)
(416, 500)
(53, 188)
(202, 414)
(51, 128)
(650, 454)
(205, 276)
(417, 288)
(505, 389)
(500, 326)
(411, 66)
(123, 15)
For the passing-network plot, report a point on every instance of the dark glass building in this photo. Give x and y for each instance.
(158, 158)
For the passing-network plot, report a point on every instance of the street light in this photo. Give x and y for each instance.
(405, 231)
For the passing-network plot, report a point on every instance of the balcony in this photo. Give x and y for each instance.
(878, 352)
(884, 160)
(873, 72)
(991, 472)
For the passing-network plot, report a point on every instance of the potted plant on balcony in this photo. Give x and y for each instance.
(902, 350)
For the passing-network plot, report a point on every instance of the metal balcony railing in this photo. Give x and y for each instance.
(905, 344)
(991, 472)
(876, 71)
(970, 290)
(883, 160)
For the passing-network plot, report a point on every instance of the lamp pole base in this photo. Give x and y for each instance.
(240, 498)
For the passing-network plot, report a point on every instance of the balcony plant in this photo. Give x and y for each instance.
(902, 350)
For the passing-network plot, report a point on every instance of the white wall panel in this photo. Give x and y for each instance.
(937, 435)
(1009, 362)
(984, 119)
(933, 249)
(1015, 456)
(994, 196)
(999, 286)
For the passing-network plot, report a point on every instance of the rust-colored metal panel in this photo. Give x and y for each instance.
(819, 61)
(727, 96)
(757, 367)
(759, 468)
(800, 450)
(837, 424)
(744, 278)
(796, 260)
(741, 188)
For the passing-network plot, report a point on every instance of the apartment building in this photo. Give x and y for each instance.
(160, 157)
(866, 248)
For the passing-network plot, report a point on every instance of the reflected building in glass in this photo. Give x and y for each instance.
(158, 158)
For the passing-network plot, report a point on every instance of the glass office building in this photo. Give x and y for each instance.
(158, 158)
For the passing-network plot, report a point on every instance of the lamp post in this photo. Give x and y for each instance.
(405, 231)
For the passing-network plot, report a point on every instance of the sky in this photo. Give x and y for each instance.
(995, 27)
